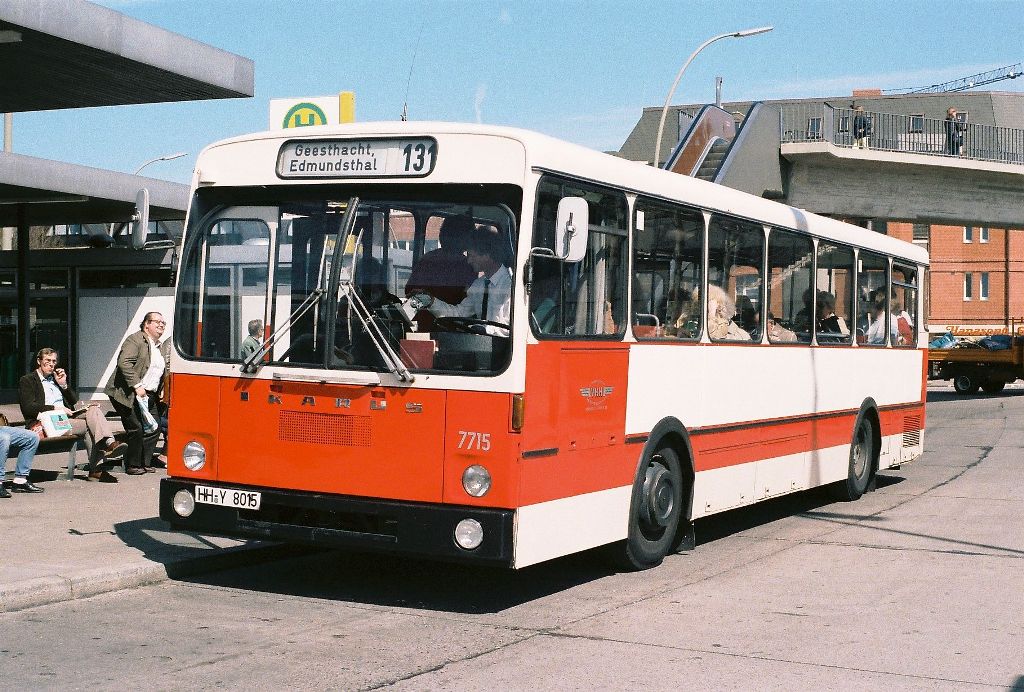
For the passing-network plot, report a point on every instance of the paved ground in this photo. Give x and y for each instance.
(78, 539)
(917, 586)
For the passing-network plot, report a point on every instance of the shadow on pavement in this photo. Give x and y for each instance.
(935, 396)
(394, 581)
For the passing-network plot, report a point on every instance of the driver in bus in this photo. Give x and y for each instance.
(443, 274)
(489, 298)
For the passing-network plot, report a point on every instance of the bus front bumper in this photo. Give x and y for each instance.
(348, 522)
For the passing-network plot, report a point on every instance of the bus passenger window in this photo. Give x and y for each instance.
(790, 286)
(904, 304)
(668, 254)
(835, 294)
(872, 302)
(735, 258)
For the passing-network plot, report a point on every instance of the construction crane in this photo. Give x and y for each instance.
(964, 83)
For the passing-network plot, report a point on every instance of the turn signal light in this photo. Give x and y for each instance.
(518, 411)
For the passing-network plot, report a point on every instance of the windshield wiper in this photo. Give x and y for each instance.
(252, 363)
(346, 286)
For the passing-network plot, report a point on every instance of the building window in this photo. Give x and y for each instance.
(968, 234)
(844, 123)
(983, 234)
(983, 288)
(814, 128)
(922, 233)
(916, 122)
(967, 286)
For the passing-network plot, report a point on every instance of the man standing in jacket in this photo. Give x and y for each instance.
(139, 374)
(46, 389)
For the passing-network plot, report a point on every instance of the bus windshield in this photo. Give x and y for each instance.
(363, 284)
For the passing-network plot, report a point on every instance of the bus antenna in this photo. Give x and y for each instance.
(416, 50)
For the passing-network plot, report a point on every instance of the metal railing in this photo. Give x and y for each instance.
(902, 133)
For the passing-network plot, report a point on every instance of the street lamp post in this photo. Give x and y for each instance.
(664, 110)
(166, 157)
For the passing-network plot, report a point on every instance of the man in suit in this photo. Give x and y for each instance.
(139, 375)
(46, 389)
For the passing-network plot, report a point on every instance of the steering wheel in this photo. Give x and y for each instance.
(467, 325)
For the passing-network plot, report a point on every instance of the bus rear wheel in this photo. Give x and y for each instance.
(655, 511)
(862, 461)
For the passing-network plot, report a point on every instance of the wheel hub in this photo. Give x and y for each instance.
(659, 496)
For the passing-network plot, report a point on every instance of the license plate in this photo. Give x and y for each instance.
(228, 497)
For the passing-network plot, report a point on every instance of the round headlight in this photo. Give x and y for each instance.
(194, 455)
(183, 503)
(469, 534)
(476, 480)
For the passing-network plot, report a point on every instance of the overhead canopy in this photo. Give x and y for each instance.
(74, 54)
(52, 192)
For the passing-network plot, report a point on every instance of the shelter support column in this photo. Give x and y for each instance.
(24, 340)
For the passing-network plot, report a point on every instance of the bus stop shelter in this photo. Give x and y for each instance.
(60, 54)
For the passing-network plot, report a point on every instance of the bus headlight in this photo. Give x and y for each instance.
(469, 534)
(476, 480)
(183, 503)
(194, 455)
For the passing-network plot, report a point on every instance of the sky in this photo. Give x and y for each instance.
(579, 71)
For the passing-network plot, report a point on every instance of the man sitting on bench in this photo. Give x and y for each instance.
(46, 389)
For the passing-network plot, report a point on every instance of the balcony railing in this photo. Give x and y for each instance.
(902, 133)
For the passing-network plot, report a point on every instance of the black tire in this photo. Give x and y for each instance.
(862, 464)
(991, 387)
(654, 512)
(965, 383)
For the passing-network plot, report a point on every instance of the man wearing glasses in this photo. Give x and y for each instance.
(46, 389)
(135, 384)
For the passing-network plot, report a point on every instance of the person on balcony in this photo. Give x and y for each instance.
(861, 128)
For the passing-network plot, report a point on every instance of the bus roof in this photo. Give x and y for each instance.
(544, 153)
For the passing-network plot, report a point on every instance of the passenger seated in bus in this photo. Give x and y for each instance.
(721, 311)
(876, 328)
(831, 327)
(904, 322)
(444, 274)
(747, 317)
(777, 333)
(802, 321)
(687, 323)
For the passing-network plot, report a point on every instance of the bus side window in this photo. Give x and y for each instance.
(587, 297)
(735, 258)
(872, 305)
(791, 285)
(904, 304)
(835, 294)
(668, 255)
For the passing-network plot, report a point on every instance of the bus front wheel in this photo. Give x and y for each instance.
(655, 511)
(862, 461)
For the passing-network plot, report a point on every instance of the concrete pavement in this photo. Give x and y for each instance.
(79, 539)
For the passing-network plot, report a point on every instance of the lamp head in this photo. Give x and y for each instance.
(753, 32)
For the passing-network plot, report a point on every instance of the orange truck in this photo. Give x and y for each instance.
(972, 366)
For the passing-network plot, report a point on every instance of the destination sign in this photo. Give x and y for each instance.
(357, 158)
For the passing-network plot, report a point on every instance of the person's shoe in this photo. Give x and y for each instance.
(4, 492)
(26, 487)
(149, 469)
(159, 461)
(101, 477)
(135, 470)
(114, 450)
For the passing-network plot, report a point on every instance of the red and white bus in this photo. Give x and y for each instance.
(669, 348)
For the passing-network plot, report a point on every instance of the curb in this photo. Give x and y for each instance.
(38, 591)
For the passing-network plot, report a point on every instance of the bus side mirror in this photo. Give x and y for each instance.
(140, 219)
(571, 225)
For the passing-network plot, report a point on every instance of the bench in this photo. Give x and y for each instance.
(72, 443)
